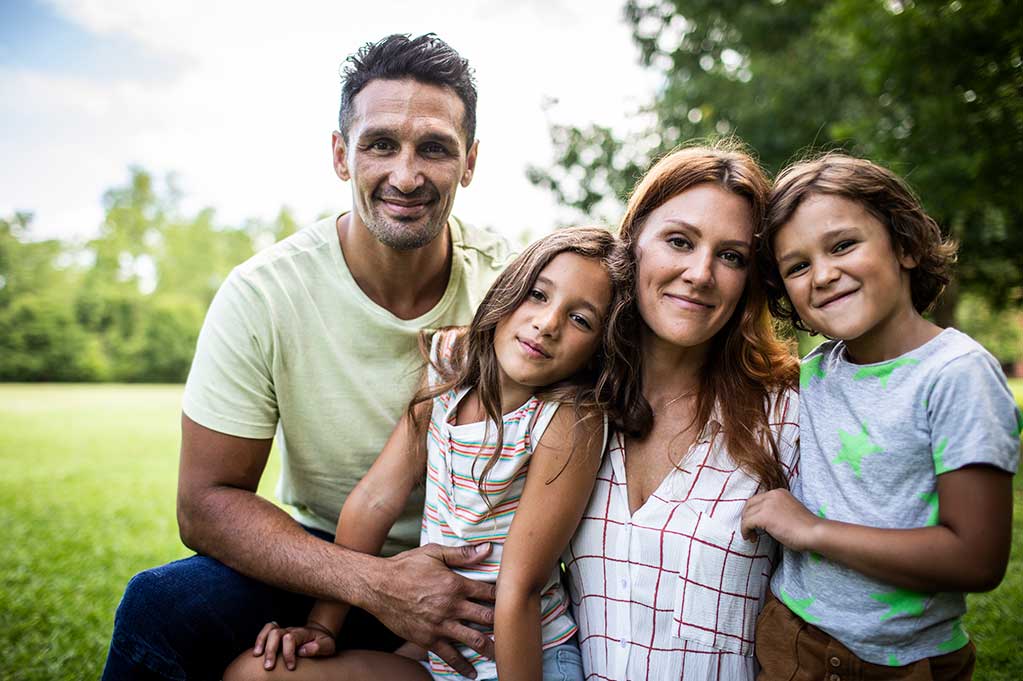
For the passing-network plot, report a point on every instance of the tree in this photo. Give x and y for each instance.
(929, 89)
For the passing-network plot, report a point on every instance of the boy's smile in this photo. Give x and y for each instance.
(845, 278)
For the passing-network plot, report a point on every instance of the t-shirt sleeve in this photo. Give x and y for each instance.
(230, 386)
(972, 415)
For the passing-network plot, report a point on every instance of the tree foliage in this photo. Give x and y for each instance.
(127, 305)
(933, 90)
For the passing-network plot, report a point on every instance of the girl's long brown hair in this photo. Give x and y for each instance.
(593, 390)
(747, 362)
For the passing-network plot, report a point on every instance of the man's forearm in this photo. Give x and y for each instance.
(258, 539)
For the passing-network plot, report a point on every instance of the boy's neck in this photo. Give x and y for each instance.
(902, 333)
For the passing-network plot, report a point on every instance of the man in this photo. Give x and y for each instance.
(314, 340)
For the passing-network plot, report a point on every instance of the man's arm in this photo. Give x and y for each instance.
(415, 594)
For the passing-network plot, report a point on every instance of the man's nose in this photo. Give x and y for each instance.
(406, 176)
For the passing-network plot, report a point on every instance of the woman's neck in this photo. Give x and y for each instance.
(669, 371)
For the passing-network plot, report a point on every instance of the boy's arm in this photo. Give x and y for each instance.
(968, 550)
(558, 485)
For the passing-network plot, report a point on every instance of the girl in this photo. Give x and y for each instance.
(909, 439)
(538, 341)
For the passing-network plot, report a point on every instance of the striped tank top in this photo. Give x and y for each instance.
(455, 514)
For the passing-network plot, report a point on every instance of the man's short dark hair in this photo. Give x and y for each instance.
(427, 59)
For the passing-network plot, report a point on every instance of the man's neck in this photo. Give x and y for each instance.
(408, 284)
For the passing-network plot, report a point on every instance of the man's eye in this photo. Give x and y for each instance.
(433, 148)
(381, 145)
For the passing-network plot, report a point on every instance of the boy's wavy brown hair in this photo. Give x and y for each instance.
(594, 390)
(747, 362)
(884, 195)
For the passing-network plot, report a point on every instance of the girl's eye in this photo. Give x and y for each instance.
(537, 294)
(581, 321)
(734, 258)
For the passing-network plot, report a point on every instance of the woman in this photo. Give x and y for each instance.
(663, 584)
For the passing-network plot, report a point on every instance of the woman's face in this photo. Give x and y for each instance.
(692, 255)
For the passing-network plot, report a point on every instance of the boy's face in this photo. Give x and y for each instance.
(842, 273)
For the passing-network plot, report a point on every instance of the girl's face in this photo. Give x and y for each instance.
(692, 254)
(555, 331)
(842, 273)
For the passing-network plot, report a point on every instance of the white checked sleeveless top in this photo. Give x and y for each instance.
(455, 513)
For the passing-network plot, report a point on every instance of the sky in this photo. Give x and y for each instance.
(238, 100)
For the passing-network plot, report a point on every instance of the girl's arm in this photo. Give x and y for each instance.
(558, 485)
(373, 506)
(968, 550)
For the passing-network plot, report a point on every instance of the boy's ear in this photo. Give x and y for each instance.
(907, 260)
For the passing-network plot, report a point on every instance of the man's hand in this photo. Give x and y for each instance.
(308, 641)
(782, 516)
(420, 599)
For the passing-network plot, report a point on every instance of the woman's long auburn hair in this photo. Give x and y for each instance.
(747, 362)
(594, 390)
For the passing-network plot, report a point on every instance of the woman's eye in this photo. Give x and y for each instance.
(680, 242)
(734, 258)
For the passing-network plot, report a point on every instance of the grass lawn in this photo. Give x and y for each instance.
(87, 482)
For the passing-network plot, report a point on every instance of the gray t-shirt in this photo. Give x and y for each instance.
(874, 438)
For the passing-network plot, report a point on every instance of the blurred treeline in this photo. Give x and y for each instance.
(932, 89)
(126, 305)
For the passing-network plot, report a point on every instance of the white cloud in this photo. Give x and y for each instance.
(245, 119)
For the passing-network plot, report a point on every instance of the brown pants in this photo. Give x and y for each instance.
(789, 649)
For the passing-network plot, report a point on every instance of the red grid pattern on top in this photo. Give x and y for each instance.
(672, 591)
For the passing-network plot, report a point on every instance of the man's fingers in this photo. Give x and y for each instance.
(477, 640)
(479, 591)
(467, 611)
(257, 649)
(447, 652)
(463, 556)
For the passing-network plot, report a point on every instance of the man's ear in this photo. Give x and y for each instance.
(339, 149)
(470, 163)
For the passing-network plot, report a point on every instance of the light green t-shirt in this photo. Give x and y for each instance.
(292, 347)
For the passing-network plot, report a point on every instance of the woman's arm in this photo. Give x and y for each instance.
(968, 550)
(558, 485)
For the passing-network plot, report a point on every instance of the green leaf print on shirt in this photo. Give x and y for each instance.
(855, 448)
(902, 601)
(956, 640)
(893, 661)
(809, 370)
(932, 500)
(883, 372)
(799, 607)
(1019, 423)
(939, 457)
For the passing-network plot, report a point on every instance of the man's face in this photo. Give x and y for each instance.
(406, 155)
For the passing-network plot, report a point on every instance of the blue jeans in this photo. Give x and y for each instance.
(560, 663)
(187, 620)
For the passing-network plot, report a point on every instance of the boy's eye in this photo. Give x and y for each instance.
(795, 269)
(844, 245)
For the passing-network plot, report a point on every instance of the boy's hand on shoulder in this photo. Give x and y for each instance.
(783, 517)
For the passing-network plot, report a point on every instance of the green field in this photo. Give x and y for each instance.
(87, 480)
